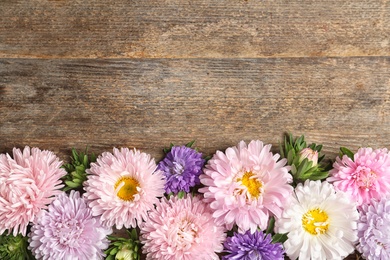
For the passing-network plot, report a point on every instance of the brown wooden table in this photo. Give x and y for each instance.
(147, 73)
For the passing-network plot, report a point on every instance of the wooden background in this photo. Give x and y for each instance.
(146, 73)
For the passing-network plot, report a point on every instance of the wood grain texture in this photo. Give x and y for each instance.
(129, 73)
(193, 28)
(59, 104)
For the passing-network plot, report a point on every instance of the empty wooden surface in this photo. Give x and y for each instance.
(147, 73)
(193, 28)
(59, 104)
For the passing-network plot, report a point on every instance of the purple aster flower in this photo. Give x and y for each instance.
(374, 230)
(181, 167)
(249, 246)
(67, 230)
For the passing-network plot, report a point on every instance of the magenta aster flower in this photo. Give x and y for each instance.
(28, 183)
(181, 167)
(245, 185)
(123, 186)
(374, 230)
(67, 230)
(181, 229)
(365, 177)
(249, 246)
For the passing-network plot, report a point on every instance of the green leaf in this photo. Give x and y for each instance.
(190, 144)
(80, 168)
(181, 194)
(318, 148)
(319, 176)
(74, 154)
(110, 257)
(78, 181)
(279, 238)
(347, 152)
(271, 226)
(134, 234)
(85, 161)
(71, 184)
(114, 251)
(207, 158)
(76, 175)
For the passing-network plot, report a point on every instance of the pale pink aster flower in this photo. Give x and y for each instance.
(28, 183)
(67, 230)
(122, 186)
(365, 177)
(245, 185)
(182, 229)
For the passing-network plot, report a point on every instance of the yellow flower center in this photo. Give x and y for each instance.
(252, 184)
(127, 188)
(315, 221)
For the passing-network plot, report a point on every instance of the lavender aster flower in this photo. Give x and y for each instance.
(181, 167)
(67, 230)
(374, 230)
(249, 246)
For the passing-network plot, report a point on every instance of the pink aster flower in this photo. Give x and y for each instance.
(245, 185)
(67, 230)
(365, 177)
(122, 186)
(181, 229)
(28, 183)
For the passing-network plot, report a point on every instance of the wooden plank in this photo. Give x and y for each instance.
(194, 28)
(60, 104)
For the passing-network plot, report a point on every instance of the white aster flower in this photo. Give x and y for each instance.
(321, 223)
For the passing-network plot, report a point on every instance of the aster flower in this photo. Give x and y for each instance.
(28, 183)
(181, 167)
(67, 230)
(363, 177)
(245, 185)
(374, 230)
(122, 186)
(181, 229)
(14, 248)
(249, 246)
(321, 223)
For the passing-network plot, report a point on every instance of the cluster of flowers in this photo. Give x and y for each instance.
(245, 203)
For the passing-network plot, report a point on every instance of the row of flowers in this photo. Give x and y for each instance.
(245, 203)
